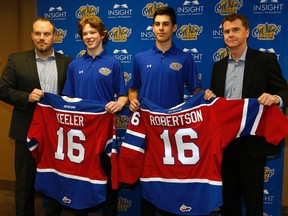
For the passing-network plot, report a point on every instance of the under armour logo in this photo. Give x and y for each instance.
(81, 72)
(149, 66)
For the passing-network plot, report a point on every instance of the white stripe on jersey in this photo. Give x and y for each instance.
(137, 134)
(49, 170)
(133, 147)
(257, 120)
(194, 180)
(244, 117)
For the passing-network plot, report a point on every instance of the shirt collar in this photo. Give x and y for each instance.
(243, 56)
(101, 55)
(51, 56)
(170, 50)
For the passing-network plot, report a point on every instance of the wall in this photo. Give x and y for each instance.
(16, 17)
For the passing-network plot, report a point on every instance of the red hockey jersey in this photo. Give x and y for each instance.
(66, 138)
(177, 152)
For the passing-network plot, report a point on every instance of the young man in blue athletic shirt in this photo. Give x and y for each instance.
(161, 73)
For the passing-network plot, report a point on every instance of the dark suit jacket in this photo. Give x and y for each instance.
(17, 81)
(262, 73)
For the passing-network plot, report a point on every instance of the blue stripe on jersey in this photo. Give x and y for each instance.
(251, 114)
(32, 144)
(111, 146)
(137, 139)
(174, 196)
(77, 194)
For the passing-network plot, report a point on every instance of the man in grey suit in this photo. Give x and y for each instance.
(246, 73)
(23, 82)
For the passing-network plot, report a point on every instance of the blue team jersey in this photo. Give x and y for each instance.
(162, 76)
(98, 78)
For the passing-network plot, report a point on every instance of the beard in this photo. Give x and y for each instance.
(43, 48)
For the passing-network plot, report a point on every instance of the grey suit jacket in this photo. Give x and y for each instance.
(262, 73)
(18, 79)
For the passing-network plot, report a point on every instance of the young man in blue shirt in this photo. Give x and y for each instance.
(162, 72)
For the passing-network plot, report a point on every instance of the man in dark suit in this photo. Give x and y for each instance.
(23, 82)
(246, 73)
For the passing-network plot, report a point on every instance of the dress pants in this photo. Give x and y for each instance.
(243, 181)
(25, 169)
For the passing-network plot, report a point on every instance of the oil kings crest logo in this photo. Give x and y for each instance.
(175, 66)
(127, 78)
(225, 7)
(266, 31)
(119, 34)
(220, 54)
(56, 13)
(268, 7)
(104, 71)
(120, 11)
(190, 8)
(121, 121)
(60, 35)
(123, 204)
(86, 10)
(189, 32)
(150, 8)
(122, 55)
(268, 173)
(148, 34)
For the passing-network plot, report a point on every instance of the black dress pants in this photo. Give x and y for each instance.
(243, 181)
(25, 169)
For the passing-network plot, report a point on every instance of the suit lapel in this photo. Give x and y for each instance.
(250, 62)
(222, 76)
(30, 59)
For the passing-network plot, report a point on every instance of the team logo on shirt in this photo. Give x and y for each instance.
(104, 71)
(66, 200)
(175, 66)
(185, 208)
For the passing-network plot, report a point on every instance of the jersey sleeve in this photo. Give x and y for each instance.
(111, 151)
(118, 80)
(238, 118)
(136, 76)
(191, 75)
(132, 151)
(35, 133)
